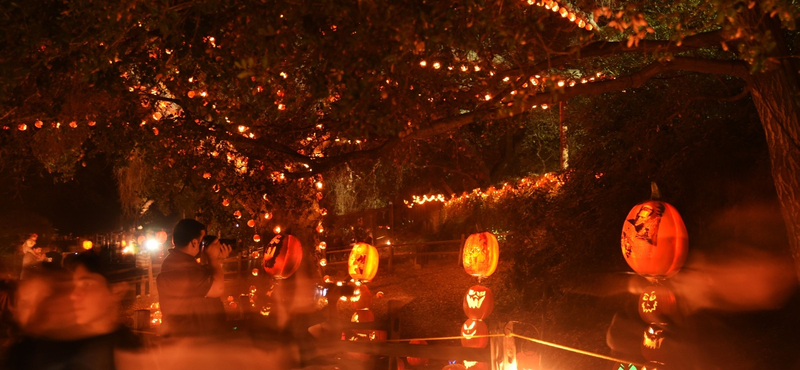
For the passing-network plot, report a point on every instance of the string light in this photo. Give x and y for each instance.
(550, 179)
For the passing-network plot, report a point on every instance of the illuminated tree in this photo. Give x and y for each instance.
(185, 96)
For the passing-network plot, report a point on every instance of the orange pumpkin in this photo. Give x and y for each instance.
(363, 262)
(654, 239)
(454, 367)
(480, 255)
(364, 315)
(417, 361)
(363, 299)
(656, 304)
(473, 334)
(282, 256)
(478, 302)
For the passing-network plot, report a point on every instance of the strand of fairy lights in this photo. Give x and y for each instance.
(547, 179)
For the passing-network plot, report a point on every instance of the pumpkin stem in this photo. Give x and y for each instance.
(654, 192)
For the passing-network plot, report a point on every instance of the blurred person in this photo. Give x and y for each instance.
(189, 292)
(69, 319)
(23, 250)
(31, 260)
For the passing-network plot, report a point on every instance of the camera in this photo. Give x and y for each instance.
(209, 239)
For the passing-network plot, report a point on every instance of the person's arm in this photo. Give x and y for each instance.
(217, 252)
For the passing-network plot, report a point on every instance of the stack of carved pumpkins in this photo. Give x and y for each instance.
(654, 244)
(480, 256)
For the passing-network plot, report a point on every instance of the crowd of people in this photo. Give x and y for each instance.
(65, 314)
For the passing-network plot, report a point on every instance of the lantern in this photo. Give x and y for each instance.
(527, 360)
(478, 302)
(652, 342)
(417, 361)
(480, 254)
(656, 304)
(473, 334)
(87, 244)
(282, 256)
(363, 262)
(362, 300)
(362, 316)
(654, 240)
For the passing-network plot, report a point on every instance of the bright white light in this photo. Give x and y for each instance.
(152, 244)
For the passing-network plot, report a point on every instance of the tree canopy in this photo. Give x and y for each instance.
(202, 104)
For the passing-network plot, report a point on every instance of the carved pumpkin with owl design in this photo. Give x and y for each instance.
(480, 255)
(363, 262)
(656, 304)
(473, 334)
(478, 302)
(654, 239)
(282, 256)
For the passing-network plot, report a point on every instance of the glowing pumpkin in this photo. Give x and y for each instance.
(475, 365)
(161, 236)
(654, 239)
(363, 262)
(473, 334)
(481, 253)
(656, 304)
(87, 244)
(361, 299)
(363, 316)
(652, 344)
(140, 240)
(282, 256)
(478, 302)
(417, 361)
(454, 367)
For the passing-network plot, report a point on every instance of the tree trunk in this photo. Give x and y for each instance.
(774, 94)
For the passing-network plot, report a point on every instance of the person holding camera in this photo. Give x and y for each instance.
(189, 292)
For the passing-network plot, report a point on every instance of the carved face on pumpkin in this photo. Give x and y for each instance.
(478, 302)
(653, 337)
(649, 302)
(475, 298)
(473, 334)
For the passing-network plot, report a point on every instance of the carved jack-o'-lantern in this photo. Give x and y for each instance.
(282, 256)
(364, 315)
(473, 334)
(363, 262)
(654, 239)
(656, 304)
(479, 302)
(480, 255)
(475, 365)
(417, 361)
(652, 343)
(362, 298)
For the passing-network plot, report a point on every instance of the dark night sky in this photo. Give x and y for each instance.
(88, 204)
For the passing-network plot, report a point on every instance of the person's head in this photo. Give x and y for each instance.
(95, 298)
(187, 235)
(36, 249)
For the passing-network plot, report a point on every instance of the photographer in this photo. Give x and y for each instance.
(189, 293)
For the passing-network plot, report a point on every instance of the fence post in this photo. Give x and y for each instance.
(391, 257)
